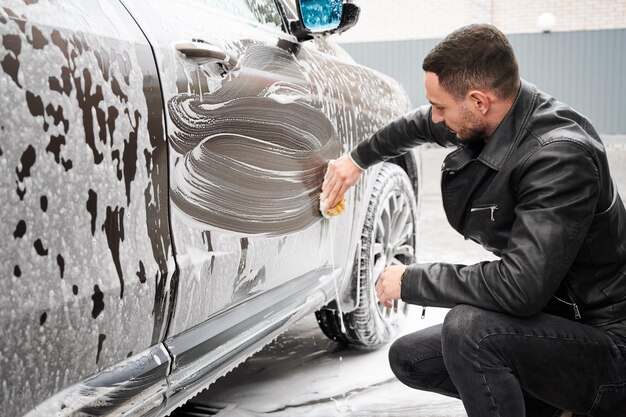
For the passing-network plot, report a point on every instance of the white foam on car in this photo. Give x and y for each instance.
(335, 276)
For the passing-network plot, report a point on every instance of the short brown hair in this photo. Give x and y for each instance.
(475, 56)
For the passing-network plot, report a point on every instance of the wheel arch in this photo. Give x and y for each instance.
(410, 162)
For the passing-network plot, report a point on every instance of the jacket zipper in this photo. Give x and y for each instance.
(493, 208)
(577, 315)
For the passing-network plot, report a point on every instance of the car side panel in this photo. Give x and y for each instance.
(248, 152)
(85, 245)
(238, 230)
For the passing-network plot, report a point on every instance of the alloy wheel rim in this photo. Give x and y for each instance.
(393, 243)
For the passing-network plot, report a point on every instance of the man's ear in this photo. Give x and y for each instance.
(480, 101)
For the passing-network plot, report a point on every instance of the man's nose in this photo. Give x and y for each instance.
(437, 116)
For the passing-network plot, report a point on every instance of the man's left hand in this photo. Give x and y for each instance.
(389, 285)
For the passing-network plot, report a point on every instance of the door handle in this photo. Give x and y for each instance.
(203, 53)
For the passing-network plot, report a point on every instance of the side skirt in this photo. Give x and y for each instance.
(137, 386)
(210, 350)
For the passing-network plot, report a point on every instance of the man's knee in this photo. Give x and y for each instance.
(462, 330)
(416, 358)
(401, 356)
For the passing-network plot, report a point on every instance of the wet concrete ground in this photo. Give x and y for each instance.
(304, 374)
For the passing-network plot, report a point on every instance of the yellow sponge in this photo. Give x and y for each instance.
(339, 208)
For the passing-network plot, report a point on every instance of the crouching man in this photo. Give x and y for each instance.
(543, 329)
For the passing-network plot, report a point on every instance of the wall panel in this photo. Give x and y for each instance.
(586, 69)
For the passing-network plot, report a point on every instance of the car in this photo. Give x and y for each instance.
(161, 166)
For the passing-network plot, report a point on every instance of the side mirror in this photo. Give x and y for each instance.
(323, 17)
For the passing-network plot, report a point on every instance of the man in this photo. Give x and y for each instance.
(543, 329)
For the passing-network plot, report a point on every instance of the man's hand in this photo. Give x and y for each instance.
(340, 176)
(388, 285)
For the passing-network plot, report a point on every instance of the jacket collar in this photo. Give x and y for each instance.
(509, 132)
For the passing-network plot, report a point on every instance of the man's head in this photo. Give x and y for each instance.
(471, 79)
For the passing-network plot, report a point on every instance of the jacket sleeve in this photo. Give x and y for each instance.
(557, 190)
(399, 136)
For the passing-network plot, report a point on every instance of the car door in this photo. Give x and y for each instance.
(83, 183)
(249, 142)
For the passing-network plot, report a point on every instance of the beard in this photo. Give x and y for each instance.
(472, 129)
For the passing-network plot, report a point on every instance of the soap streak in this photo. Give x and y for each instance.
(253, 152)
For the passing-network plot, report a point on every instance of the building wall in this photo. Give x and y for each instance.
(421, 19)
(583, 68)
(521, 16)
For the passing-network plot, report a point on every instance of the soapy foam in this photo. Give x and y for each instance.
(335, 276)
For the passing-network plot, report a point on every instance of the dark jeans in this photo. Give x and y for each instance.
(500, 365)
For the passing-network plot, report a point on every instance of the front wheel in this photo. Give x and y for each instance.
(388, 238)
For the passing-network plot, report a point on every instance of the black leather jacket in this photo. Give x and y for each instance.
(539, 195)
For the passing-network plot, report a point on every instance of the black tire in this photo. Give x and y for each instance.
(389, 236)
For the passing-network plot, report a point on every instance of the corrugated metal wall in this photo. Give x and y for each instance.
(585, 69)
